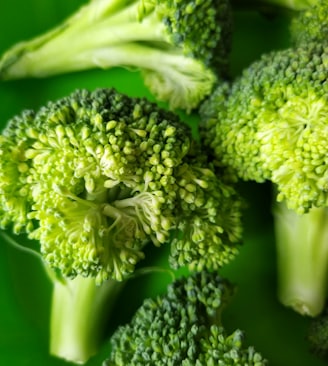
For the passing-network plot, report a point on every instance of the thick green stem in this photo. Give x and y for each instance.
(302, 249)
(80, 310)
(71, 45)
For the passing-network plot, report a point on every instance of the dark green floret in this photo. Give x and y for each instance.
(317, 335)
(95, 177)
(183, 327)
(181, 47)
(311, 24)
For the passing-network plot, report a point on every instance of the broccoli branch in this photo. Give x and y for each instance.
(79, 312)
(302, 249)
(106, 34)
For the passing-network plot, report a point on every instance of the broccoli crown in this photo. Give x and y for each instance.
(311, 24)
(270, 124)
(180, 46)
(97, 175)
(183, 327)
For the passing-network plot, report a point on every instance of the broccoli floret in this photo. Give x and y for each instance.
(311, 24)
(183, 327)
(317, 335)
(180, 46)
(94, 177)
(270, 125)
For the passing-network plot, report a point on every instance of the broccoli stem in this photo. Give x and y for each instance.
(80, 309)
(302, 248)
(76, 44)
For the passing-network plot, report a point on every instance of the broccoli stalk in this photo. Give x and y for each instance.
(162, 39)
(94, 178)
(79, 311)
(302, 258)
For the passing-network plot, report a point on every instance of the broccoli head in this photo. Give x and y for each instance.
(96, 176)
(183, 327)
(271, 125)
(180, 46)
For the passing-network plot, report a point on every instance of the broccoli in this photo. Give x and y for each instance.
(183, 327)
(93, 178)
(317, 335)
(310, 24)
(180, 46)
(270, 124)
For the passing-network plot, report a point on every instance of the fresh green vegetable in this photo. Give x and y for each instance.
(318, 335)
(311, 23)
(270, 124)
(180, 46)
(93, 178)
(183, 327)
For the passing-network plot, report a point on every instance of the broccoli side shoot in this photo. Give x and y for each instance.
(311, 24)
(95, 177)
(317, 336)
(180, 46)
(271, 125)
(183, 327)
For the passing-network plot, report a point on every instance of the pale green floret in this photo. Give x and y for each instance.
(211, 218)
(95, 177)
(271, 125)
(13, 188)
(181, 47)
(98, 190)
(183, 327)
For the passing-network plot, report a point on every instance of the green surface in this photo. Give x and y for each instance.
(24, 289)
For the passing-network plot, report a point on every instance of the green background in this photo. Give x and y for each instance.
(275, 331)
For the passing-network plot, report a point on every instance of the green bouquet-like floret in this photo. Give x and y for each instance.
(183, 327)
(93, 178)
(271, 124)
(97, 175)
